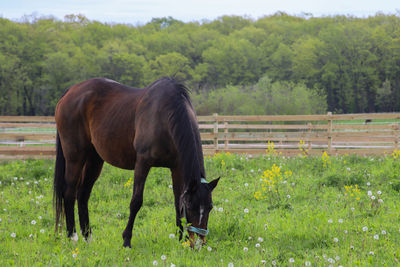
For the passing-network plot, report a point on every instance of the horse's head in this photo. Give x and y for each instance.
(196, 204)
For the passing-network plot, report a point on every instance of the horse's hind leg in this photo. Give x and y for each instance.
(91, 172)
(141, 171)
(73, 174)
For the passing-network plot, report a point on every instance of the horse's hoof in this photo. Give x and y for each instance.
(127, 245)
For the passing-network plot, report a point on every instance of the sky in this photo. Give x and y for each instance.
(142, 11)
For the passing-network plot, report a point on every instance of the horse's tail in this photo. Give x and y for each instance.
(59, 182)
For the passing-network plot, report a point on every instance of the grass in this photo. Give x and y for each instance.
(312, 214)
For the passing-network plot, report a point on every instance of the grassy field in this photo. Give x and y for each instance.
(269, 210)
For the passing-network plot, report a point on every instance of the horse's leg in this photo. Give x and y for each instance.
(141, 171)
(73, 174)
(91, 172)
(177, 182)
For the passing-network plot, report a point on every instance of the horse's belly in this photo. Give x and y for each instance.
(117, 154)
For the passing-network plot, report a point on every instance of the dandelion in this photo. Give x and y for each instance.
(170, 186)
(220, 209)
(263, 262)
(250, 238)
(260, 239)
(346, 232)
(376, 237)
(155, 263)
(307, 263)
(171, 236)
(173, 265)
(336, 240)
(33, 222)
(352, 209)
(371, 253)
(245, 249)
(288, 196)
(337, 258)
(42, 231)
(379, 192)
(365, 228)
(40, 217)
(369, 193)
(373, 197)
(251, 170)
(258, 245)
(291, 260)
(13, 235)
(209, 249)
(246, 210)
(383, 232)
(273, 263)
(330, 260)
(380, 201)
(163, 257)
(246, 184)
(340, 220)
(330, 221)
(368, 183)
(230, 264)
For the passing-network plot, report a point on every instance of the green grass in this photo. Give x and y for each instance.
(318, 223)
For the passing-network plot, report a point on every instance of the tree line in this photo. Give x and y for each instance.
(278, 64)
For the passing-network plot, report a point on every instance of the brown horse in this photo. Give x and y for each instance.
(102, 120)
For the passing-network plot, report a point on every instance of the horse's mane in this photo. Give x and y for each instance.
(185, 133)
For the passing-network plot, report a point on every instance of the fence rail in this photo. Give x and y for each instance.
(367, 133)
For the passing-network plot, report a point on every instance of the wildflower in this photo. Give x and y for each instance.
(209, 249)
(13, 235)
(340, 220)
(173, 265)
(250, 238)
(263, 262)
(291, 260)
(170, 186)
(383, 232)
(365, 228)
(260, 239)
(330, 221)
(307, 263)
(40, 217)
(376, 237)
(245, 249)
(348, 169)
(346, 232)
(369, 193)
(258, 245)
(163, 257)
(330, 260)
(336, 240)
(246, 184)
(251, 170)
(33, 222)
(273, 263)
(246, 210)
(171, 236)
(337, 258)
(233, 169)
(380, 201)
(155, 263)
(379, 192)
(368, 183)
(288, 196)
(230, 264)
(352, 209)
(371, 253)
(221, 209)
(373, 197)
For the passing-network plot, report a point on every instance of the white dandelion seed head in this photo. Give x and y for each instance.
(250, 238)
(246, 184)
(335, 239)
(330, 221)
(171, 236)
(209, 248)
(365, 228)
(330, 260)
(337, 258)
(380, 200)
(348, 169)
(251, 170)
(170, 186)
(245, 249)
(288, 196)
(220, 209)
(163, 257)
(258, 245)
(383, 232)
(246, 210)
(373, 197)
(379, 192)
(230, 264)
(340, 220)
(273, 263)
(263, 261)
(369, 193)
(368, 183)
(345, 231)
(74, 255)
(172, 265)
(291, 260)
(307, 263)
(13, 235)
(376, 237)
(155, 263)
(260, 239)
(352, 209)
(33, 222)
(371, 253)
(233, 169)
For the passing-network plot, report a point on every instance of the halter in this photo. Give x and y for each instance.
(190, 228)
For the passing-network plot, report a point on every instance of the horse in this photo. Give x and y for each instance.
(101, 120)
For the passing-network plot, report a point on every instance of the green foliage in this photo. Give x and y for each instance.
(340, 64)
(341, 213)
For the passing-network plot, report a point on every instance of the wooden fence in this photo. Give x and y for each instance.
(371, 133)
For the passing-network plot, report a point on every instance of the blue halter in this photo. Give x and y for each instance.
(190, 228)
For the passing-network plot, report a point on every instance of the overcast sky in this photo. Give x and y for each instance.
(142, 11)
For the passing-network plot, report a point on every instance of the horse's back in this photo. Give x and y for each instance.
(100, 114)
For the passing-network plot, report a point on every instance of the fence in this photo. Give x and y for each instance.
(372, 133)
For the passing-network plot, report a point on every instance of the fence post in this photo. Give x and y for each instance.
(215, 132)
(396, 140)
(329, 133)
(309, 126)
(226, 134)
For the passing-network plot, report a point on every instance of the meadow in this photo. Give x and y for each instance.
(268, 210)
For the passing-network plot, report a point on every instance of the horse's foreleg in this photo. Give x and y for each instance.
(141, 171)
(177, 183)
(91, 172)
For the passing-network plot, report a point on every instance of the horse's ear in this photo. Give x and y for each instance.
(213, 183)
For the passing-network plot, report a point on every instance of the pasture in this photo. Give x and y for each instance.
(268, 210)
